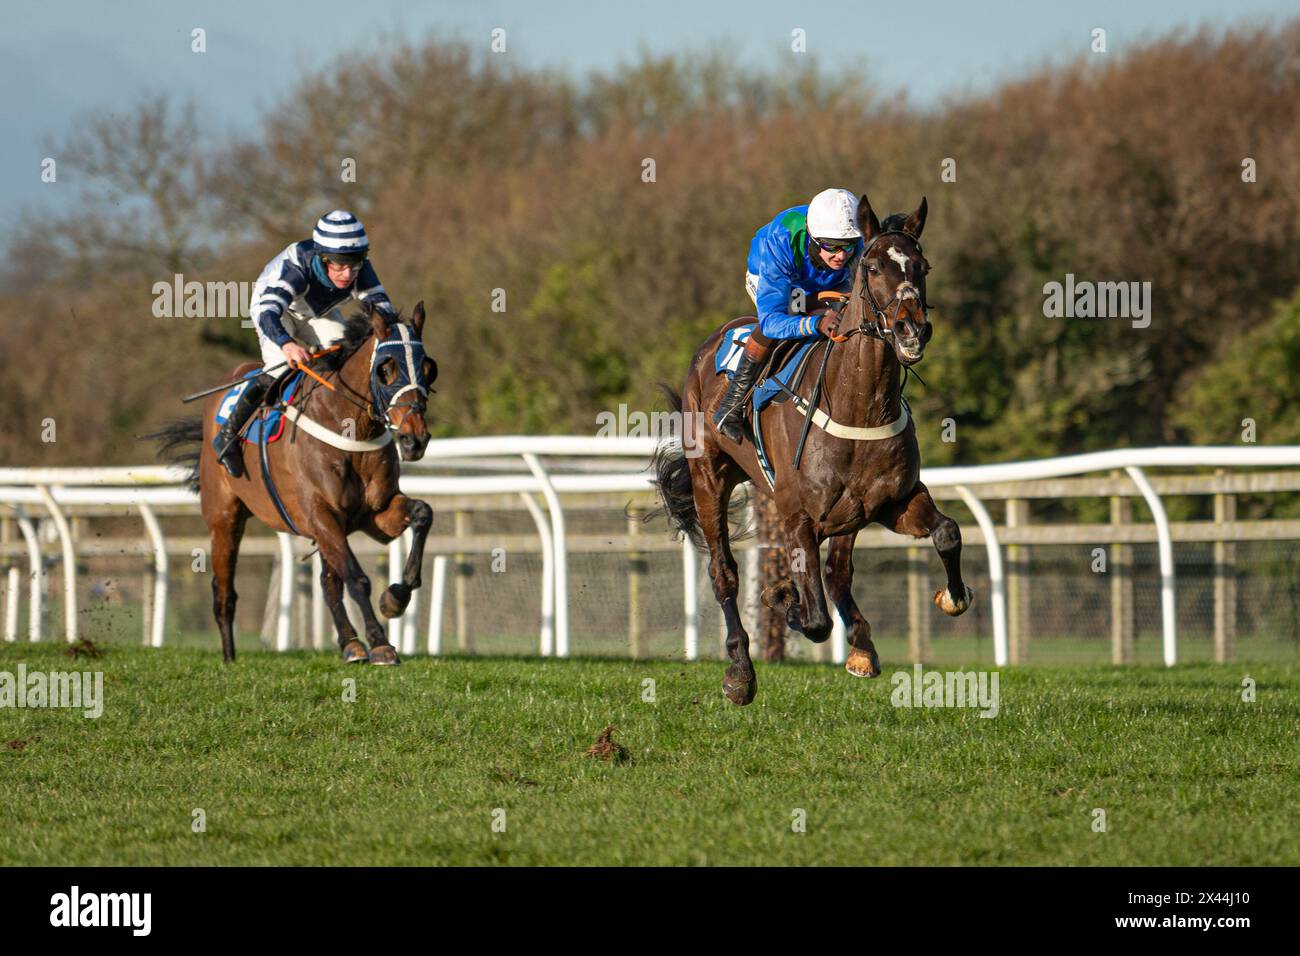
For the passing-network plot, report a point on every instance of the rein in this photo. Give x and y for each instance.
(881, 328)
(371, 407)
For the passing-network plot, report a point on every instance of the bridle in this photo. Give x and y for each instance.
(883, 325)
(383, 398)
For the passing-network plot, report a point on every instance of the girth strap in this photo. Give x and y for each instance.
(269, 482)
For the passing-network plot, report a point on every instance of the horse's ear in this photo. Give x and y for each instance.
(417, 319)
(868, 224)
(378, 320)
(916, 221)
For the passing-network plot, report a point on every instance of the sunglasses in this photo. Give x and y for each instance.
(833, 247)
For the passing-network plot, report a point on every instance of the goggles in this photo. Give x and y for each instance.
(344, 260)
(834, 246)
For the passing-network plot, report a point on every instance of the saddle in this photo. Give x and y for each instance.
(779, 377)
(265, 425)
(280, 395)
(781, 372)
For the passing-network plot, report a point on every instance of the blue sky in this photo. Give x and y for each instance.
(62, 59)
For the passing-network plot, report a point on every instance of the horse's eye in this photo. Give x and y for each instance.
(430, 369)
(388, 371)
(873, 268)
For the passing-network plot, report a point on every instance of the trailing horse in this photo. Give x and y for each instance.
(334, 471)
(861, 463)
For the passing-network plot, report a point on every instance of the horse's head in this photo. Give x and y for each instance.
(889, 281)
(400, 376)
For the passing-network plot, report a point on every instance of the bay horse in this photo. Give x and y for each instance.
(861, 464)
(335, 469)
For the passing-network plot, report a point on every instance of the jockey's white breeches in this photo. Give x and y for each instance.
(311, 334)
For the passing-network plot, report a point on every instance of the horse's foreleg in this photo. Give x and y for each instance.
(402, 513)
(332, 540)
(712, 490)
(805, 610)
(863, 661)
(227, 531)
(917, 516)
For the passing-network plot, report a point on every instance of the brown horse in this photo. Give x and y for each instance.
(860, 464)
(335, 469)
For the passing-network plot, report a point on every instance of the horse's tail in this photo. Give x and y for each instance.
(180, 442)
(673, 481)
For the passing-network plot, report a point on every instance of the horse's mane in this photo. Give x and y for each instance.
(894, 222)
(357, 331)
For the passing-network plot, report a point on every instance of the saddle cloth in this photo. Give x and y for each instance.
(273, 424)
(728, 358)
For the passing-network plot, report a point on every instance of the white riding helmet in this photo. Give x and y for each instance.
(833, 214)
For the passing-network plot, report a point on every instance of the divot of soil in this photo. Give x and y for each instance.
(607, 748)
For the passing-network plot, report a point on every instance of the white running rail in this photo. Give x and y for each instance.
(54, 489)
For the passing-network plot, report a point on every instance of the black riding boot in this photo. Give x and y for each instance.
(729, 417)
(226, 443)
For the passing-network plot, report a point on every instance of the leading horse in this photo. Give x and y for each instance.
(861, 464)
(334, 471)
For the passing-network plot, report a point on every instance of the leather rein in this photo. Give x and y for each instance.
(417, 404)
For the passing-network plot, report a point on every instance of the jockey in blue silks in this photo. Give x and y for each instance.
(809, 248)
(296, 303)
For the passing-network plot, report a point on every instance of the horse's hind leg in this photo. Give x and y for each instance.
(801, 594)
(863, 661)
(354, 652)
(227, 530)
(712, 487)
(917, 516)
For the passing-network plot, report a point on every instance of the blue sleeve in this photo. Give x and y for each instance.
(276, 297)
(775, 282)
(369, 289)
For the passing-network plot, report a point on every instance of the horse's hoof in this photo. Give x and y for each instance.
(863, 663)
(354, 652)
(384, 654)
(740, 689)
(780, 596)
(392, 603)
(949, 606)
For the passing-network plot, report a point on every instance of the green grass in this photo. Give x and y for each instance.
(122, 624)
(288, 773)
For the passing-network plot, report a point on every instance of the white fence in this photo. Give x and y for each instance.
(59, 492)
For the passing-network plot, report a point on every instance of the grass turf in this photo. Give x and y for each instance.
(287, 772)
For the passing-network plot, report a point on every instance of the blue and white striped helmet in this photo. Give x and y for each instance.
(340, 233)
